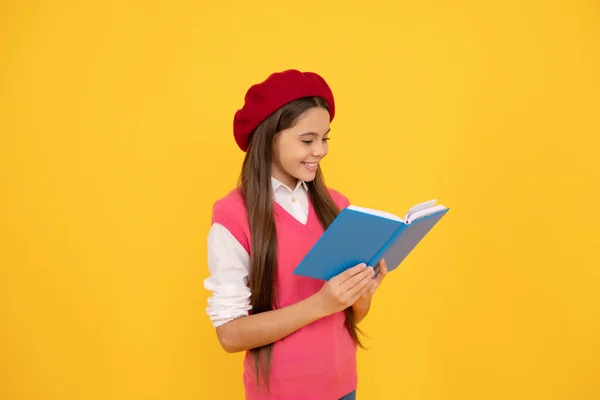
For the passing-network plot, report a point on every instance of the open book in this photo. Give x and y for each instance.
(363, 235)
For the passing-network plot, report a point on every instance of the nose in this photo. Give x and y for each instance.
(319, 149)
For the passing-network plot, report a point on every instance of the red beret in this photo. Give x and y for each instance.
(280, 88)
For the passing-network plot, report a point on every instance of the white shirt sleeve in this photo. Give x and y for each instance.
(229, 266)
(229, 262)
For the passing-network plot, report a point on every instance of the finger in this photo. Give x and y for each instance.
(356, 279)
(383, 267)
(366, 278)
(364, 291)
(351, 272)
(383, 270)
(378, 267)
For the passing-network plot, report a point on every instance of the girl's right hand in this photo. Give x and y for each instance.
(341, 291)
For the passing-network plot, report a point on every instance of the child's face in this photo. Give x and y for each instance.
(298, 150)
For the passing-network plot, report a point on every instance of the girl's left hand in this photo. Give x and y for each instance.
(375, 283)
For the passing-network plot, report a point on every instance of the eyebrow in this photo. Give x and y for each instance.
(314, 133)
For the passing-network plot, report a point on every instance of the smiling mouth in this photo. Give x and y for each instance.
(311, 166)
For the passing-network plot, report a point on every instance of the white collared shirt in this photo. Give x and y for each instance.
(229, 263)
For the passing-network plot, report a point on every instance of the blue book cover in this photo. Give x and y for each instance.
(361, 235)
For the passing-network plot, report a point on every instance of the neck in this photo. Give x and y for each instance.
(288, 181)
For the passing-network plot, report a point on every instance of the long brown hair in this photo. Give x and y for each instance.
(255, 185)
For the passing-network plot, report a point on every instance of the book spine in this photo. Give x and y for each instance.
(377, 258)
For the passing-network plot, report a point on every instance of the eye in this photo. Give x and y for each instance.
(310, 141)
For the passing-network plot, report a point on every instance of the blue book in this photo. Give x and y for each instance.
(362, 235)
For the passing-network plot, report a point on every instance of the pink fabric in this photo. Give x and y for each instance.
(318, 361)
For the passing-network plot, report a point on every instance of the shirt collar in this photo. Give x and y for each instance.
(277, 184)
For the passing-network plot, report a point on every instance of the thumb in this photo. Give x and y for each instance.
(383, 270)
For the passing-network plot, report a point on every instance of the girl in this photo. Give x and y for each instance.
(299, 334)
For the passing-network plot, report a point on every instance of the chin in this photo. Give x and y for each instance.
(307, 177)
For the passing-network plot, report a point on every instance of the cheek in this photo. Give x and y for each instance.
(299, 154)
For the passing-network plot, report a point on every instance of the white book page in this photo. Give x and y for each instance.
(419, 207)
(379, 213)
(423, 213)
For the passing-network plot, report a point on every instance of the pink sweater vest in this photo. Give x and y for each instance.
(318, 361)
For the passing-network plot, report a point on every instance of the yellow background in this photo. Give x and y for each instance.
(115, 127)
